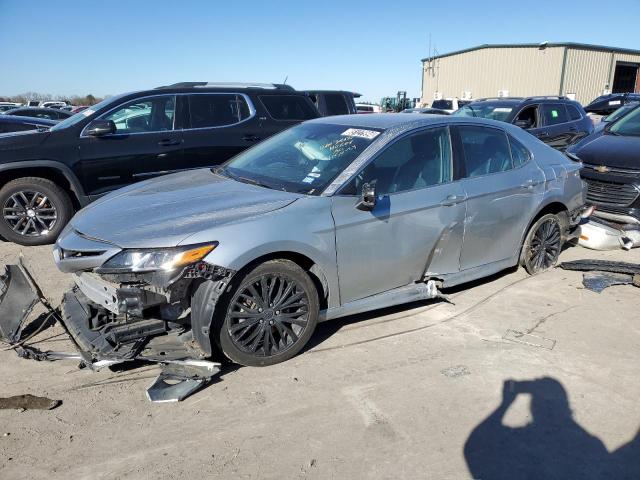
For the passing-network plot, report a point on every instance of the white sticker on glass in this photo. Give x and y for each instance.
(360, 132)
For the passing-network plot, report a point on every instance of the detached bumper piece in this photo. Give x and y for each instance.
(179, 379)
(18, 297)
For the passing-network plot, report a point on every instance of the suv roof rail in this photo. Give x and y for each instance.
(267, 86)
(549, 97)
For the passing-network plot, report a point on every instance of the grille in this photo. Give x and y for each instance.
(610, 193)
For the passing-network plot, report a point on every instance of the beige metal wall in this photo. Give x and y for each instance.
(521, 71)
(589, 72)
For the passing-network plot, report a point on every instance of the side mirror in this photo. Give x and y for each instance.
(100, 128)
(523, 124)
(367, 200)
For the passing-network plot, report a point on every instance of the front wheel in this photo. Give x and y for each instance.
(542, 245)
(269, 316)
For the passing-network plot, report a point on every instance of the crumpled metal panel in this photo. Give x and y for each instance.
(17, 299)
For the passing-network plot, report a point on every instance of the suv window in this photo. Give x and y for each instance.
(527, 118)
(217, 110)
(486, 150)
(417, 161)
(519, 152)
(288, 107)
(142, 116)
(573, 112)
(554, 113)
(336, 104)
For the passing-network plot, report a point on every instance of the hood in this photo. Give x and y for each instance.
(19, 140)
(611, 150)
(164, 211)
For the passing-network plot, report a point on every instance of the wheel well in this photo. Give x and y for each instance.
(556, 208)
(56, 176)
(304, 262)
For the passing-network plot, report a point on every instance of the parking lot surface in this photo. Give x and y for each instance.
(418, 391)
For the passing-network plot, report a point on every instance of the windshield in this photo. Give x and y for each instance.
(485, 110)
(629, 125)
(78, 117)
(621, 112)
(303, 159)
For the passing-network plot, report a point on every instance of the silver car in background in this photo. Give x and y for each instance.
(335, 216)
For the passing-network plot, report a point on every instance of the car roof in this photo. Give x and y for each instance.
(386, 121)
(33, 109)
(25, 119)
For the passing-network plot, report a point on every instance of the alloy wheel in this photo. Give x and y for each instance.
(545, 245)
(30, 213)
(268, 316)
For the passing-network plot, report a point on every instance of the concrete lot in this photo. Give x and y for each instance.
(412, 392)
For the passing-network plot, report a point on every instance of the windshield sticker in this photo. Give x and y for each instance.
(554, 113)
(359, 132)
(87, 111)
(614, 102)
(502, 109)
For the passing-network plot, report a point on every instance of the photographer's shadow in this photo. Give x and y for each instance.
(552, 446)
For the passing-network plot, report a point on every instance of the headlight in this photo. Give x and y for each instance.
(152, 260)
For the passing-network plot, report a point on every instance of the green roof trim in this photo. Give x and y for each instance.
(571, 45)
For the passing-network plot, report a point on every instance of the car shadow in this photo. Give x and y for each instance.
(552, 446)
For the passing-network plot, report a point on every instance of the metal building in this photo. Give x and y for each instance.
(580, 71)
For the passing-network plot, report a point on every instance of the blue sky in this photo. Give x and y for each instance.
(374, 47)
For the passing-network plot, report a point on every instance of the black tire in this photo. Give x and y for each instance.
(256, 332)
(542, 245)
(33, 211)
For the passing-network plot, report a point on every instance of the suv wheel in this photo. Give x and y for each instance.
(33, 211)
(269, 316)
(542, 246)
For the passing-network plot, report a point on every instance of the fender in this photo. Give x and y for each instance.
(74, 182)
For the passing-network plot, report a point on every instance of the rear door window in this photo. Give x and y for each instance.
(442, 104)
(217, 110)
(288, 107)
(336, 104)
(554, 113)
(486, 150)
(519, 152)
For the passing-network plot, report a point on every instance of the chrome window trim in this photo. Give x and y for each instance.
(252, 113)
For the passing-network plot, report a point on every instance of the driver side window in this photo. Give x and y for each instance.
(142, 116)
(416, 161)
(527, 118)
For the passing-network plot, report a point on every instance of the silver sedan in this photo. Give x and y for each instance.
(332, 217)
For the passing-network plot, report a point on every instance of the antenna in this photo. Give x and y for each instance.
(285, 79)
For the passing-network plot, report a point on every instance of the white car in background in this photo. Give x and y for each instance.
(367, 108)
(450, 104)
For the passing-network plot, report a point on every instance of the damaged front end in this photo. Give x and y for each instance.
(127, 305)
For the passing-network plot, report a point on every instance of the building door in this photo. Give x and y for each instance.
(624, 79)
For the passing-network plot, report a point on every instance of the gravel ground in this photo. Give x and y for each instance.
(419, 391)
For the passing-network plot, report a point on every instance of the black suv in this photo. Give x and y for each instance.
(333, 102)
(46, 176)
(557, 121)
(612, 170)
(607, 104)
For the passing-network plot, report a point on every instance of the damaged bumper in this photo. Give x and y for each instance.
(111, 323)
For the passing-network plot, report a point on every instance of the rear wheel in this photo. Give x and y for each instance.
(542, 245)
(269, 316)
(33, 211)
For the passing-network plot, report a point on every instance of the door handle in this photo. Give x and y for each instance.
(452, 200)
(542, 134)
(250, 138)
(169, 142)
(530, 184)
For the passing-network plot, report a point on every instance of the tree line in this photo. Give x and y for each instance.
(43, 97)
